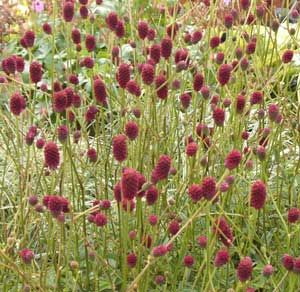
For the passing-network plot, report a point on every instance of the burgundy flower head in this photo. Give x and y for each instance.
(57, 86)
(273, 112)
(29, 38)
(162, 168)
(233, 159)
(62, 133)
(219, 58)
(133, 88)
(9, 65)
(59, 101)
(68, 11)
(90, 43)
(244, 64)
(228, 20)
(105, 204)
(26, 255)
(120, 29)
(151, 195)
(44, 87)
(239, 53)
(20, 64)
(100, 91)
(83, 11)
(293, 215)
(115, 52)
(118, 192)
(240, 103)
(287, 56)
(195, 192)
(219, 116)
(92, 155)
(151, 34)
(51, 154)
(23, 43)
(131, 260)
(223, 230)
(205, 92)
(187, 38)
(131, 130)
(176, 84)
(288, 262)
(188, 261)
(35, 71)
(202, 241)
(166, 47)
(245, 4)
(40, 143)
(182, 56)
(69, 96)
(250, 48)
(159, 250)
(221, 258)
(71, 116)
(17, 103)
(120, 147)
(256, 97)
(148, 74)
(47, 28)
(196, 36)
(112, 20)
(100, 219)
(173, 227)
(198, 81)
(73, 79)
(224, 74)
(56, 204)
(129, 183)
(143, 29)
(214, 42)
(260, 11)
(185, 99)
(258, 194)
(191, 149)
(76, 36)
(215, 100)
(29, 138)
(268, 270)
(76, 136)
(155, 52)
(244, 270)
(123, 74)
(202, 130)
(33, 200)
(161, 86)
(152, 219)
(90, 114)
(209, 187)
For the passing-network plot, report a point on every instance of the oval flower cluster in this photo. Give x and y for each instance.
(57, 205)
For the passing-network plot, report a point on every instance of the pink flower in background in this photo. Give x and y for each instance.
(227, 2)
(38, 6)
